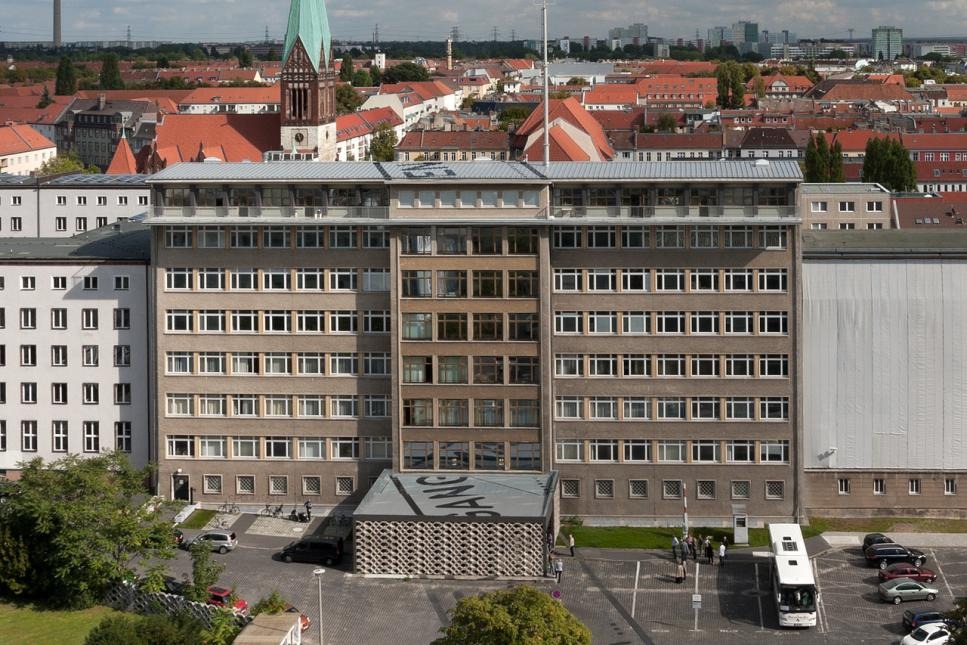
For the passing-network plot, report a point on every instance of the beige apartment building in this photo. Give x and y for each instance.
(630, 326)
(845, 207)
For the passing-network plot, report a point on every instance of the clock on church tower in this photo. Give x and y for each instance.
(308, 84)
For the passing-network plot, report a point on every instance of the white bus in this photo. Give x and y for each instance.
(793, 585)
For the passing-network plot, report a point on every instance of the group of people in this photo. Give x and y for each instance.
(555, 563)
(690, 546)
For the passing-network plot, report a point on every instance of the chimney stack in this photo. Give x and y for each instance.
(450, 54)
(57, 36)
(101, 101)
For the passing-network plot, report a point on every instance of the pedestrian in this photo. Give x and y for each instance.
(558, 569)
(550, 540)
(550, 564)
(722, 554)
(725, 540)
(680, 572)
(570, 543)
(308, 506)
(708, 551)
(675, 547)
(693, 547)
(684, 568)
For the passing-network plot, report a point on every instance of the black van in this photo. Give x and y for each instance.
(316, 550)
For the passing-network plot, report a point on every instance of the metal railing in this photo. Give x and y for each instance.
(274, 212)
(643, 212)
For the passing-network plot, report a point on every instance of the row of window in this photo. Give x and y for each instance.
(248, 279)
(60, 224)
(471, 455)
(484, 370)
(101, 200)
(486, 413)
(705, 489)
(672, 408)
(671, 322)
(458, 326)
(277, 321)
(468, 199)
(90, 355)
(333, 406)
(90, 393)
(344, 485)
(670, 237)
(675, 451)
(845, 206)
(278, 363)
(666, 365)
(481, 284)
(59, 282)
(276, 237)
(59, 436)
(914, 486)
(278, 447)
(90, 318)
(675, 280)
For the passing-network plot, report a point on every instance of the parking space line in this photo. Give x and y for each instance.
(634, 595)
(944, 577)
(758, 597)
(820, 607)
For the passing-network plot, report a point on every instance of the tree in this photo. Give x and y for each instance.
(146, 630)
(45, 99)
(362, 79)
(405, 72)
(66, 78)
(271, 604)
(738, 88)
(376, 75)
(66, 163)
(162, 62)
(83, 525)
(346, 69)
(576, 80)
(730, 83)
(512, 116)
(760, 87)
(110, 78)
(959, 613)
(383, 145)
(204, 571)
(888, 163)
(822, 158)
(666, 122)
(520, 616)
(836, 172)
(347, 99)
(244, 58)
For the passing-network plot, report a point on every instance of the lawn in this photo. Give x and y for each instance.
(635, 537)
(28, 624)
(198, 519)
(887, 524)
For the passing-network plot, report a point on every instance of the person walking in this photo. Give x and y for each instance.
(722, 554)
(558, 569)
(675, 547)
(690, 545)
(680, 572)
(308, 506)
(708, 551)
(685, 549)
(570, 543)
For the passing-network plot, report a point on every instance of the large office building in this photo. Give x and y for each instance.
(887, 43)
(74, 359)
(632, 327)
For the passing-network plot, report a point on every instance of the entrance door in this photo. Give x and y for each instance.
(179, 487)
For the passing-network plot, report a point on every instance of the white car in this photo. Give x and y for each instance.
(929, 634)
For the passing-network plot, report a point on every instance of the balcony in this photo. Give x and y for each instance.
(271, 212)
(673, 212)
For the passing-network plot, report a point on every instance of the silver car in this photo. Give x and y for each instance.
(900, 589)
(221, 541)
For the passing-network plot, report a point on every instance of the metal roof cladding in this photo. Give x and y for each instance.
(99, 180)
(483, 171)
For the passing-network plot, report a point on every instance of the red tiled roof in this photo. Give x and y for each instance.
(712, 141)
(562, 147)
(122, 163)
(206, 95)
(229, 137)
(16, 139)
(930, 212)
(856, 140)
(939, 141)
(941, 172)
(676, 67)
(520, 63)
(571, 111)
(612, 95)
(620, 119)
(417, 140)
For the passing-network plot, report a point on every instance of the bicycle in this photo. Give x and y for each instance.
(271, 511)
(229, 507)
(267, 511)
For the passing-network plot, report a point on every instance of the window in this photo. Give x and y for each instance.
(567, 237)
(603, 450)
(275, 321)
(278, 447)
(569, 365)
(568, 322)
(59, 435)
(671, 489)
(740, 452)
(772, 237)
(874, 207)
(58, 393)
(522, 284)
(635, 280)
(670, 280)
(91, 393)
(28, 355)
(568, 280)
(741, 489)
(879, 486)
(80, 224)
(278, 406)
(343, 322)
(89, 319)
(603, 407)
(670, 322)
(704, 237)
(376, 322)
(343, 279)
(244, 237)
(278, 485)
(28, 283)
(775, 489)
(58, 282)
(488, 326)
(180, 405)
(245, 447)
(738, 280)
(738, 365)
(375, 237)
(212, 447)
(602, 322)
(704, 322)
(345, 448)
(913, 487)
(211, 279)
(122, 318)
(275, 237)
(89, 355)
(818, 207)
(210, 237)
(522, 241)
(417, 326)
(739, 409)
(670, 237)
(376, 406)
(451, 326)
(177, 237)
(245, 321)
(705, 489)
(312, 406)
(58, 356)
(705, 451)
(28, 318)
(774, 365)
(603, 365)
(415, 242)
(343, 364)
(178, 320)
(949, 486)
(342, 237)
(276, 280)
(604, 488)
(523, 370)
(28, 436)
(488, 370)
(847, 207)
(376, 364)
(244, 279)
(705, 409)
(570, 488)
(488, 284)
(774, 408)
(311, 321)
(773, 322)
(245, 363)
(602, 279)
(210, 321)
(245, 484)
(843, 485)
(636, 408)
(671, 365)
(122, 394)
(568, 407)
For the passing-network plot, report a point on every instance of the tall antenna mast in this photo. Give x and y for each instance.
(547, 94)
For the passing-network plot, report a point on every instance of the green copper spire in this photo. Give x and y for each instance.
(309, 23)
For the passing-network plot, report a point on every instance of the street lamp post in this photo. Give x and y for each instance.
(318, 574)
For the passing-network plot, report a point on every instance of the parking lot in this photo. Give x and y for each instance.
(624, 597)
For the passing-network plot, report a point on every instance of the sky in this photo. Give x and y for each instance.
(240, 20)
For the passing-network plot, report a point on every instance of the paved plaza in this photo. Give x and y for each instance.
(624, 596)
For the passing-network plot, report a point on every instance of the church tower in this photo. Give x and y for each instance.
(308, 83)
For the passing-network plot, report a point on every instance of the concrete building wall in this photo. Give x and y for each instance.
(59, 210)
(850, 206)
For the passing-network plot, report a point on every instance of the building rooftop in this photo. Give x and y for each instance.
(837, 188)
(893, 242)
(482, 171)
(125, 240)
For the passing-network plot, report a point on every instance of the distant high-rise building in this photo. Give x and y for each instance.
(887, 43)
(57, 35)
(621, 36)
(718, 34)
(745, 32)
(587, 43)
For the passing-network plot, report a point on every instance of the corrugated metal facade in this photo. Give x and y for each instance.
(885, 364)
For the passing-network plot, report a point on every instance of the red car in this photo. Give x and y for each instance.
(221, 597)
(904, 570)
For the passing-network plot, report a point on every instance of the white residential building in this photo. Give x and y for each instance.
(74, 375)
(68, 205)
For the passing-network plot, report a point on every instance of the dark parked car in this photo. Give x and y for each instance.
(173, 586)
(316, 550)
(875, 538)
(883, 555)
(913, 619)
(904, 570)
